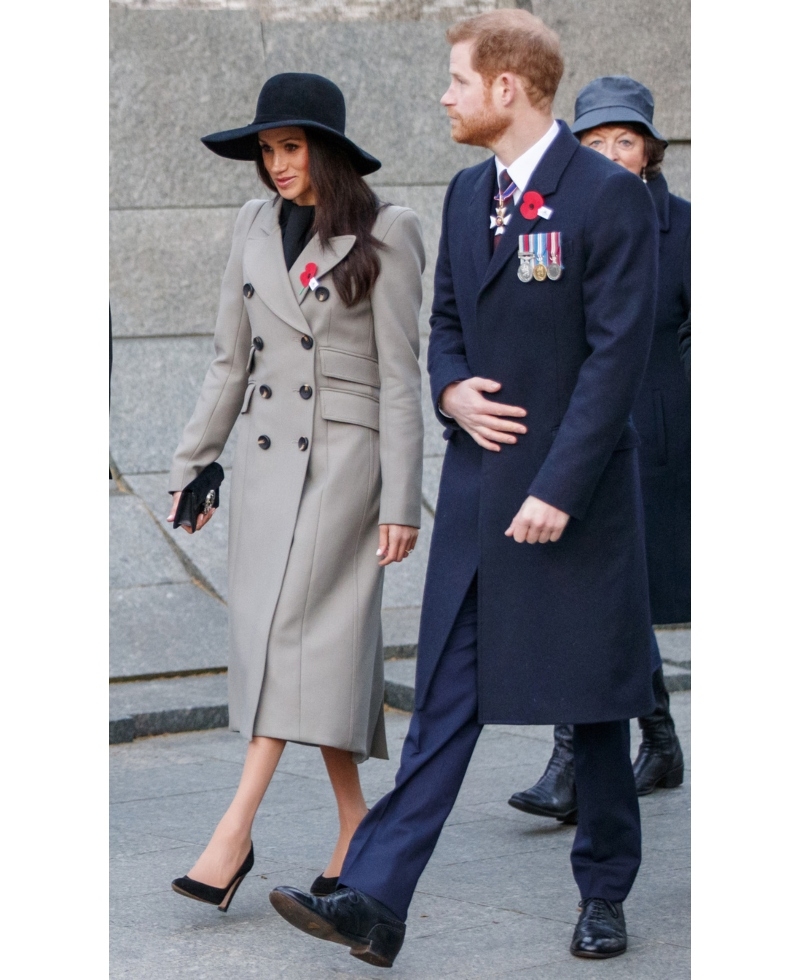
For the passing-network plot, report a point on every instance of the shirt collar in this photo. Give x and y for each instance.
(523, 167)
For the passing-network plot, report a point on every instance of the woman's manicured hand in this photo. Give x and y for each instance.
(396, 542)
(201, 520)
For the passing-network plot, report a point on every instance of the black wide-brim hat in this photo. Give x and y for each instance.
(614, 99)
(294, 99)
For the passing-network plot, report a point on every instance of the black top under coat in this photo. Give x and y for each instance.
(297, 229)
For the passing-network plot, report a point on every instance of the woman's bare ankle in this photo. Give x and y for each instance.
(340, 851)
(222, 856)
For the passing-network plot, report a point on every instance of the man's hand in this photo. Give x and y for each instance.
(537, 522)
(480, 417)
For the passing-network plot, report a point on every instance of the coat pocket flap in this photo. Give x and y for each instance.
(247, 397)
(349, 406)
(628, 440)
(349, 367)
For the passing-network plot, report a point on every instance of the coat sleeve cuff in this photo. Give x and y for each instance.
(570, 500)
(449, 375)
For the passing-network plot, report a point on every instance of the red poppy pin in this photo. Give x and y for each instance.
(532, 201)
(307, 276)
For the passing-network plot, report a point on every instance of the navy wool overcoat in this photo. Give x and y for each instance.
(662, 416)
(564, 628)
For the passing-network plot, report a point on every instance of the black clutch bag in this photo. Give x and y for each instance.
(199, 497)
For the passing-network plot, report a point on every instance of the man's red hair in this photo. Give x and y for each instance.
(517, 42)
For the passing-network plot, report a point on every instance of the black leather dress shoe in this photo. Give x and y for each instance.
(349, 917)
(659, 762)
(600, 932)
(554, 795)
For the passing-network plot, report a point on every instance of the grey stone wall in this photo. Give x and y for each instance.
(185, 68)
(337, 10)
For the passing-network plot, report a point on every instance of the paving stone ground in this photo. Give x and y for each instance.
(497, 901)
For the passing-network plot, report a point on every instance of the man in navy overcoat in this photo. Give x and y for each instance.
(536, 603)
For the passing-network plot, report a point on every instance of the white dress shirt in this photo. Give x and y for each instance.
(521, 169)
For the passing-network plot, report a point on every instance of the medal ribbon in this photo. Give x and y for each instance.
(501, 197)
(541, 247)
(554, 247)
(526, 244)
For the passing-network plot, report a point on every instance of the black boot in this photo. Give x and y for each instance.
(554, 795)
(660, 758)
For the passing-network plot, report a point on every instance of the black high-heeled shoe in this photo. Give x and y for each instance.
(322, 886)
(221, 897)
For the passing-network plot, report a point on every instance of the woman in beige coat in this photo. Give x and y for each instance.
(316, 349)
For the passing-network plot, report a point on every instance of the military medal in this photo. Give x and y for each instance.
(500, 219)
(539, 268)
(554, 266)
(525, 254)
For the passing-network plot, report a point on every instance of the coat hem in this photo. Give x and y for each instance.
(361, 756)
(550, 719)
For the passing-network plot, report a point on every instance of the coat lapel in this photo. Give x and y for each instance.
(324, 259)
(544, 179)
(265, 267)
(479, 214)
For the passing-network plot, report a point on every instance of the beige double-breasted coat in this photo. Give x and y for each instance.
(329, 448)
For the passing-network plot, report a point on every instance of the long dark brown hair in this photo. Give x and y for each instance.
(346, 205)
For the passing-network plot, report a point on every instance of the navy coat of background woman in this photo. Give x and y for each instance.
(662, 416)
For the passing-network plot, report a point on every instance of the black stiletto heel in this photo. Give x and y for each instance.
(221, 897)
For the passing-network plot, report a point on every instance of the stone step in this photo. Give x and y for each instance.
(167, 705)
(187, 704)
(399, 675)
(677, 678)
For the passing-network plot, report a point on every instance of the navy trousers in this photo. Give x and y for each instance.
(397, 837)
